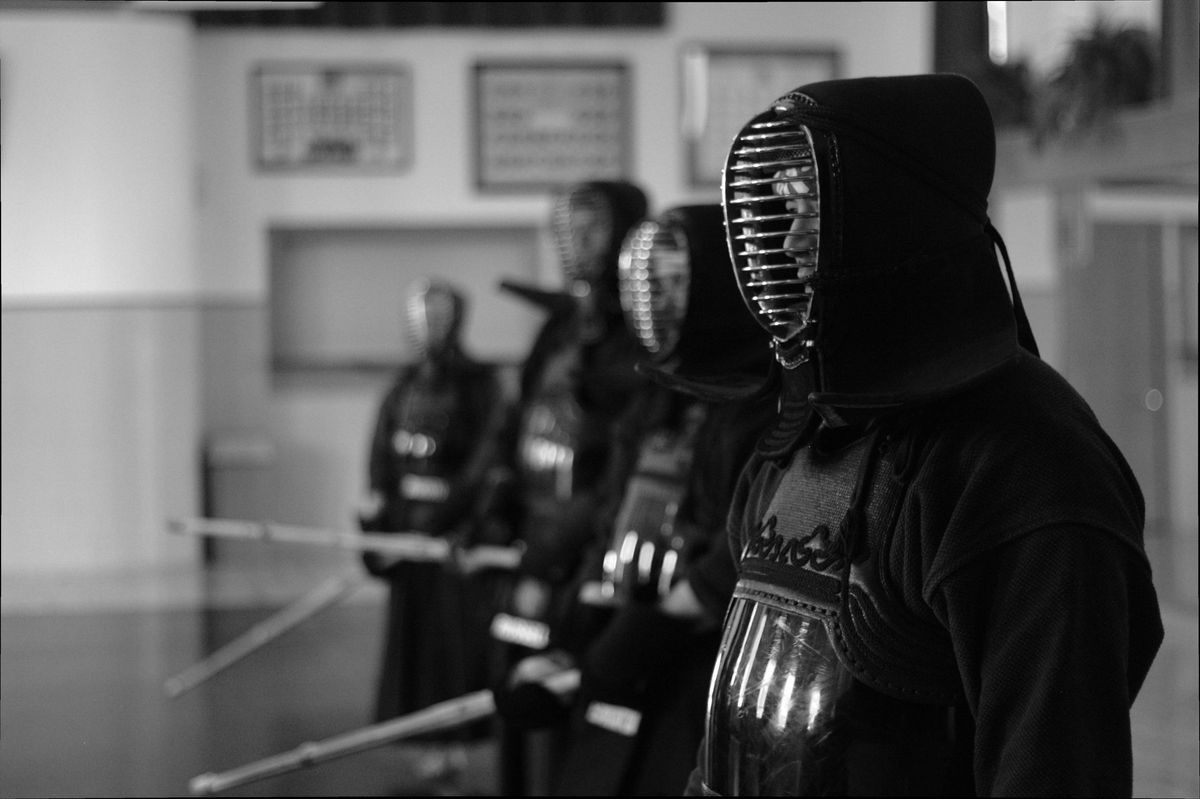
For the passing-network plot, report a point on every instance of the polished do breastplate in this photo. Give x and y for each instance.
(429, 442)
(825, 685)
(550, 432)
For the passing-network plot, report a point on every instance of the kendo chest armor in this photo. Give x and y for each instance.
(550, 433)
(430, 440)
(647, 548)
(826, 684)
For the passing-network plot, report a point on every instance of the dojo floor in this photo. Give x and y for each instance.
(83, 711)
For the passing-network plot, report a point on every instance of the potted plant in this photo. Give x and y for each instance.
(1108, 66)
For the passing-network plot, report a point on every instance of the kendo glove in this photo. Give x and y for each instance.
(372, 518)
(379, 565)
(523, 702)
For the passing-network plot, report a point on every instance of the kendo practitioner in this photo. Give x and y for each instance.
(942, 584)
(434, 442)
(662, 559)
(577, 380)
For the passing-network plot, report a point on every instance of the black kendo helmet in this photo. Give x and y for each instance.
(681, 302)
(857, 223)
(654, 273)
(433, 316)
(702, 332)
(615, 207)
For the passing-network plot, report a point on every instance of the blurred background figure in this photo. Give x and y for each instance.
(578, 378)
(659, 574)
(435, 439)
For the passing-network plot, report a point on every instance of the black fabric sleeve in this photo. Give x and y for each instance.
(554, 555)
(713, 577)
(1043, 629)
(379, 473)
(482, 389)
(381, 477)
(726, 445)
(638, 642)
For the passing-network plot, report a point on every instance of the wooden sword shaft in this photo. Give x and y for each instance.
(441, 716)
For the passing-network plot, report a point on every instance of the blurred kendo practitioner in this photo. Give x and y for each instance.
(576, 381)
(435, 439)
(942, 585)
(661, 555)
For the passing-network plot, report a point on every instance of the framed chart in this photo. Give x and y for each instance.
(322, 116)
(539, 124)
(724, 87)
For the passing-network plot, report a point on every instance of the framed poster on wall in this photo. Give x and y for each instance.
(538, 124)
(723, 87)
(322, 116)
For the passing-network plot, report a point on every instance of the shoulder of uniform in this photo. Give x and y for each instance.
(1019, 454)
(1025, 406)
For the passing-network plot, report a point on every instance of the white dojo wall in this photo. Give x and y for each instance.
(136, 229)
(239, 203)
(320, 430)
(100, 365)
